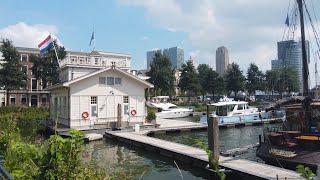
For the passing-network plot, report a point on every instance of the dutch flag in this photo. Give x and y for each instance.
(45, 45)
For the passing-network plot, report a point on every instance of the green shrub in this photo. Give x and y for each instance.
(151, 115)
(305, 172)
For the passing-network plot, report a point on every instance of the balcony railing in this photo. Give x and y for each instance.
(94, 61)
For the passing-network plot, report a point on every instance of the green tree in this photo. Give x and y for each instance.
(161, 75)
(288, 81)
(271, 80)
(11, 74)
(204, 75)
(215, 83)
(46, 67)
(189, 81)
(282, 80)
(234, 79)
(255, 79)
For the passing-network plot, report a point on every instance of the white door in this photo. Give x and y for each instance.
(93, 110)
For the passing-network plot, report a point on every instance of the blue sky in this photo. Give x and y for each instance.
(248, 28)
(117, 28)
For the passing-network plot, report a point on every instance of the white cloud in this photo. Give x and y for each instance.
(248, 28)
(26, 35)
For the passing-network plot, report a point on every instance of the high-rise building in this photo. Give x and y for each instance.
(150, 56)
(175, 55)
(222, 60)
(290, 55)
(276, 64)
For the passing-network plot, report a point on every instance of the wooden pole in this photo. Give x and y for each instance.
(213, 134)
(119, 116)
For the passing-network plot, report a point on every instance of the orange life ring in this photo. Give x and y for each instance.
(85, 115)
(133, 112)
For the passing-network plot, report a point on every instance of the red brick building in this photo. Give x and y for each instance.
(32, 94)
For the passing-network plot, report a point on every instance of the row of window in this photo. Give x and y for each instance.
(111, 81)
(24, 100)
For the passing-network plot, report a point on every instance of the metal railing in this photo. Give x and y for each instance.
(3, 172)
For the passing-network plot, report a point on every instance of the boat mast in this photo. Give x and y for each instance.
(305, 74)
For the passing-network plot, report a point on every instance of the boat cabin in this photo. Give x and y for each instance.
(230, 108)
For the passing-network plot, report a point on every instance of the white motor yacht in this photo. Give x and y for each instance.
(168, 110)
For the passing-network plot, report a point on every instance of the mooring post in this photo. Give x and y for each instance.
(260, 140)
(213, 134)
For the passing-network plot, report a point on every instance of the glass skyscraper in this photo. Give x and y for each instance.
(290, 55)
(175, 55)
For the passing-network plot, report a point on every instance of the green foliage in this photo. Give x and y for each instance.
(161, 75)
(55, 158)
(210, 81)
(151, 114)
(22, 117)
(234, 79)
(255, 79)
(189, 79)
(11, 75)
(23, 160)
(282, 80)
(214, 164)
(305, 172)
(46, 67)
(62, 159)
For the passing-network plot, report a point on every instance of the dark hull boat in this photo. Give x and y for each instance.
(292, 145)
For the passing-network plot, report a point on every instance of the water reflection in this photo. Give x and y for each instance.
(136, 163)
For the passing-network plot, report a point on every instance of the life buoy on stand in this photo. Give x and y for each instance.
(85, 115)
(133, 112)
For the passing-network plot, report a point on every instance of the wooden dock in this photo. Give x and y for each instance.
(198, 157)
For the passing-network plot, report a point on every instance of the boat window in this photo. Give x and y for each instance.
(172, 107)
(222, 110)
(231, 107)
(240, 107)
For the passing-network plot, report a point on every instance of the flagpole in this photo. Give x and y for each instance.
(94, 40)
(55, 50)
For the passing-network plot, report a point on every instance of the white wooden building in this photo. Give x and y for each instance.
(99, 98)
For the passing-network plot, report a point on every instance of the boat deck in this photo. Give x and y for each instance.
(303, 157)
(198, 157)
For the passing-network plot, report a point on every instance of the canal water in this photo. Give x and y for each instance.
(140, 164)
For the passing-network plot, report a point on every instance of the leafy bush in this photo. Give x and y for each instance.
(214, 164)
(305, 172)
(151, 115)
(54, 158)
(27, 121)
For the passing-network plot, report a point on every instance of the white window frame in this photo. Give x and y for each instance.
(15, 99)
(24, 95)
(94, 103)
(26, 69)
(105, 81)
(36, 84)
(115, 81)
(24, 55)
(126, 105)
(108, 81)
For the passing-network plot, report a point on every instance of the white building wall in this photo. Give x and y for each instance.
(60, 106)
(108, 98)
